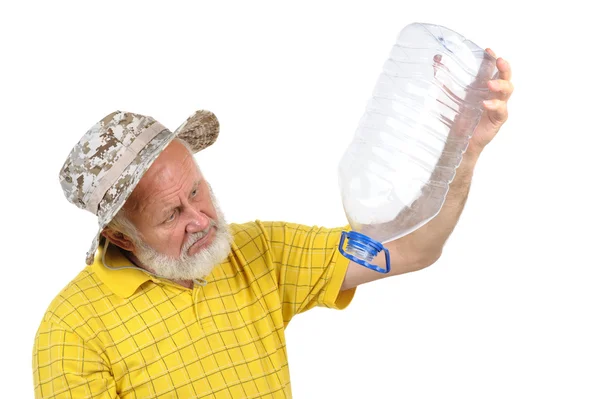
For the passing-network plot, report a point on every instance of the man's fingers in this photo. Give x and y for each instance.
(504, 69)
(502, 65)
(497, 110)
(490, 52)
(502, 88)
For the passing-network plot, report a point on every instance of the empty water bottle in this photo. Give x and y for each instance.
(395, 174)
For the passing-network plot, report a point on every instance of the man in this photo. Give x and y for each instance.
(174, 302)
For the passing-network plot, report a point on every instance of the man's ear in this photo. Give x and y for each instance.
(119, 239)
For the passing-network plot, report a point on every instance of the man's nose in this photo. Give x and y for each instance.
(198, 221)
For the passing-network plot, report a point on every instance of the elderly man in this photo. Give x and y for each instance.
(175, 302)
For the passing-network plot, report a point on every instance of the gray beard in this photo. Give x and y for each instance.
(188, 267)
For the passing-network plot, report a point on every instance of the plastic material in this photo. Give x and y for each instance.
(362, 249)
(395, 174)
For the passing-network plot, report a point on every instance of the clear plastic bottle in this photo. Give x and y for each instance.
(395, 174)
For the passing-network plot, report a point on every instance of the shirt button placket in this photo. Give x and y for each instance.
(196, 299)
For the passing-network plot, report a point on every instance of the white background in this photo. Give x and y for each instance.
(511, 308)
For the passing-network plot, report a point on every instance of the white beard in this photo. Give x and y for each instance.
(188, 267)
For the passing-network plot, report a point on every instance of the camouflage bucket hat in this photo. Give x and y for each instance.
(104, 167)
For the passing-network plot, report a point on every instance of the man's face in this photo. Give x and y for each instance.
(182, 232)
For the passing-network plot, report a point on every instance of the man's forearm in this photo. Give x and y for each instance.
(424, 246)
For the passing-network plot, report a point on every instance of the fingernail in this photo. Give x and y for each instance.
(488, 103)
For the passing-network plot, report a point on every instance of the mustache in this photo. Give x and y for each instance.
(197, 236)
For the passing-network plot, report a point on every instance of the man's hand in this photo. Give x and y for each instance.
(495, 109)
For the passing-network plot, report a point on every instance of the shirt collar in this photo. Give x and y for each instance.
(116, 271)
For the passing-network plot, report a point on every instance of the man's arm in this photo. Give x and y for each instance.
(424, 246)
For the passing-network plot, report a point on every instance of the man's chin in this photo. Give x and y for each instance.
(193, 267)
(209, 254)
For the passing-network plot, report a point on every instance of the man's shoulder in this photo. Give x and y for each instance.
(260, 231)
(270, 229)
(262, 227)
(73, 303)
(248, 234)
(265, 236)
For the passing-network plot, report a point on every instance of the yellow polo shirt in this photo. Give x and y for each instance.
(127, 334)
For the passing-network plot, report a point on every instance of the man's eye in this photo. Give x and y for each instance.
(172, 217)
(194, 193)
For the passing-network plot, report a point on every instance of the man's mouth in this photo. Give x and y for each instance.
(202, 242)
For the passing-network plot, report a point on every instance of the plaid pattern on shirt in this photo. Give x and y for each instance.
(126, 334)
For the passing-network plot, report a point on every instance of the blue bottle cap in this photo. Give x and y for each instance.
(362, 249)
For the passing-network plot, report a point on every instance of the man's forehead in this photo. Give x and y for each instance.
(177, 170)
(162, 193)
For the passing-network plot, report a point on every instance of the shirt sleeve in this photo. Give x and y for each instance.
(310, 269)
(65, 367)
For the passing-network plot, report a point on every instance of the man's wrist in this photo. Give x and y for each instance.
(461, 183)
(471, 155)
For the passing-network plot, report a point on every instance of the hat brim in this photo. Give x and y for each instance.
(200, 130)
